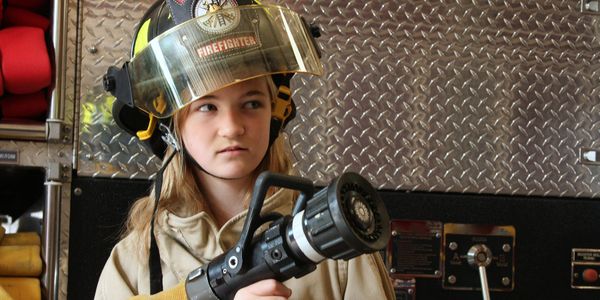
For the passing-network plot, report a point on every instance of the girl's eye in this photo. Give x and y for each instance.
(253, 104)
(206, 107)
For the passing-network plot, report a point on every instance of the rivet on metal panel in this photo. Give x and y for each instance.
(589, 6)
(93, 50)
(66, 134)
(58, 172)
(77, 191)
(66, 172)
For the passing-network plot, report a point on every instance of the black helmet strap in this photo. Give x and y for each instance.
(181, 10)
(154, 257)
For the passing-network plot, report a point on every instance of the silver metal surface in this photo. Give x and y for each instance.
(459, 96)
(59, 41)
(29, 132)
(38, 154)
(103, 149)
(589, 5)
(69, 117)
(63, 259)
(589, 156)
(479, 255)
(50, 240)
(485, 290)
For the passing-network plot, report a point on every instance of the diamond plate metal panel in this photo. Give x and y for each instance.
(63, 260)
(38, 154)
(70, 117)
(459, 96)
(104, 149)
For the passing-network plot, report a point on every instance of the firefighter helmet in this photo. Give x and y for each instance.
(183, 50)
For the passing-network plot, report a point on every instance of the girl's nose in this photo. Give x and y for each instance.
(231, 124)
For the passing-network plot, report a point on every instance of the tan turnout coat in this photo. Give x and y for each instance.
(185, 243)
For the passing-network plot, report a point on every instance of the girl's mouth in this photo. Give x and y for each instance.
(232, 149)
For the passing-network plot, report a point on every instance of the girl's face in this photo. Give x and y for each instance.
(227, 131)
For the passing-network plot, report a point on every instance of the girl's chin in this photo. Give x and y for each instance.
(232, 173)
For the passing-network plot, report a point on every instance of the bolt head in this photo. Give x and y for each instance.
(453, 246)
(452, 279)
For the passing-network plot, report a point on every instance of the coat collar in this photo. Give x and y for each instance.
(186, 243)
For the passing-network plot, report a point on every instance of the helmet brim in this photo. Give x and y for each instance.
(216, 50)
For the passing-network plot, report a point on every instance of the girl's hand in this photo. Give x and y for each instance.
(265, 289)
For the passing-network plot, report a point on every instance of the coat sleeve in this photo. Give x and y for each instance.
(367, 278)
(118, 278)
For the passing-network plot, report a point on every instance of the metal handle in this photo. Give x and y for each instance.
(50, 241)
(481, 256)
(485, 290)
(55, 121)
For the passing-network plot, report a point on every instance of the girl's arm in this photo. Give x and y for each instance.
(118, 279)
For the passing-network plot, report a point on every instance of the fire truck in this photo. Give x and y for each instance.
(477, 122)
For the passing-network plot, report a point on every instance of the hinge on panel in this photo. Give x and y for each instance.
(589, 5)
(57, 131)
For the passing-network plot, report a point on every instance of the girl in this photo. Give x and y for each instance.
(225, 140)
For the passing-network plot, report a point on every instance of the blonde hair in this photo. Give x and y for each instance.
(179, 190)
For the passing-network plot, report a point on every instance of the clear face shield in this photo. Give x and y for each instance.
(216, 50)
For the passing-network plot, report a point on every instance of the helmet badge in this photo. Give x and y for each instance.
(216, 23)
